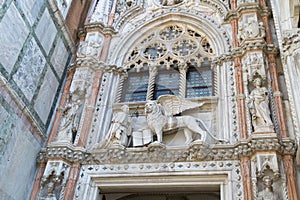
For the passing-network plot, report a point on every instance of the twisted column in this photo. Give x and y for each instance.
(123, 77)
(151, 82)
(182, 80)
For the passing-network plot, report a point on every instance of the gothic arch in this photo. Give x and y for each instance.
(213, 31)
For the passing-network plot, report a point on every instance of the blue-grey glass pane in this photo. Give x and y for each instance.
(166, 83)
(136, 87)
(199, 83)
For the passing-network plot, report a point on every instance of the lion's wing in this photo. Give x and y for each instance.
(174, 105)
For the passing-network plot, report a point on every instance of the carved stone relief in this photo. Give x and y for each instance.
(101, 12)
(258, 104)
(250, 28)
(125, 5)
(267, 181)
(89, 50)
(169, 2)
(254, 65)
(73, 110)
(239, 2)
(54, 180)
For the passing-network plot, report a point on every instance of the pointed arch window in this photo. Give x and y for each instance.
(171, 60)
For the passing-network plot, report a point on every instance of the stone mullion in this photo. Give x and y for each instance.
(182, 81)
(151, 82)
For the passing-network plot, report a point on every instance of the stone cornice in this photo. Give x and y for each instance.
(247, 45)
(196, 151)
(97, 27)
(246, 8)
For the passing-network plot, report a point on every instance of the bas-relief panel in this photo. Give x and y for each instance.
(31, 9)
(13, 35)
(46, 95)
(30, 69)
(59, 57)
(46, 31)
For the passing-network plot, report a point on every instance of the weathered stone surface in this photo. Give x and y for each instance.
(59, 57)
(31, 9)
(30, 69)
(12, 28)
(46, 31)
(47, 92)
(19, 149)
(25, 149)
(6, 130)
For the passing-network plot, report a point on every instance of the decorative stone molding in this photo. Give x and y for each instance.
(102, 175)
(247, 8)
(196, 151)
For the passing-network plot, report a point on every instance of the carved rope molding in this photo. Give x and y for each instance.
(196, 151)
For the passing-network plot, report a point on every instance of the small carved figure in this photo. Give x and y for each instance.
(159, 116)
(267, 193)
(120, 128)
(259, 107)
(70, 118)
(170, 2)
(262, 30)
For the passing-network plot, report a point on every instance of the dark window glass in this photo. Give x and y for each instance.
(199, 82)
(136, 87)
(167, 82)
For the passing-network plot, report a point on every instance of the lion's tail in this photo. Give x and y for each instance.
(211, 136)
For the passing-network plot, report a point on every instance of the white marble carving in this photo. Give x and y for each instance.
(250, 28)
(71, 114)
(101, 12)
(267, 193)
(54, 180)
(254, 64)
(120, 128)
(88, 53)
(160, 118)
(169, 2)
(259, 108)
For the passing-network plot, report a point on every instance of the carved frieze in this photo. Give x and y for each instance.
(196, 151)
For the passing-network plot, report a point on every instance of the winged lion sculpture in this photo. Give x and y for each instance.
(160, 118)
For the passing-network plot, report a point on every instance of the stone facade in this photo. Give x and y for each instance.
(184, 99)
(36, 49)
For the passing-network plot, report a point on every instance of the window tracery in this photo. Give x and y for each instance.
(177, 59)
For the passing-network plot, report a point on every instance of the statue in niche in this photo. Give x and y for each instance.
(71, 114)
(259, 107)
(169, 2)
(160, 118)
(267, 193)
(120, 128)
